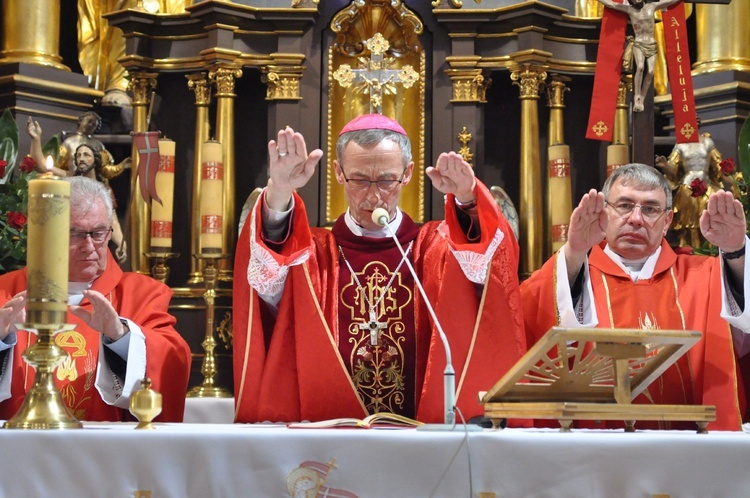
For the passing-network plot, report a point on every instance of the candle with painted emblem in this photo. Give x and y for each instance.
(47, 249)
(212, 197)
(162, 213)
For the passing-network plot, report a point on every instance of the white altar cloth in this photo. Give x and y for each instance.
(208, 460)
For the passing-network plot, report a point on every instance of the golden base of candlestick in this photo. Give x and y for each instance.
(43, 407)
(210, 275)
(159, 268)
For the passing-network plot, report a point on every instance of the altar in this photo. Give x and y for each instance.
(266, 460)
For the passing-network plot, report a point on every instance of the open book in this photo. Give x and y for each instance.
(383, 419)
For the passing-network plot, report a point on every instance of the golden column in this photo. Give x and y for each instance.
(31, 33)
(723, 37)
(198, 83)
(224, 78)
(618, 152)
(141, 84)
(529, 79)
(559, 197)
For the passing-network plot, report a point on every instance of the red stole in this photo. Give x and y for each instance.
(383, 374)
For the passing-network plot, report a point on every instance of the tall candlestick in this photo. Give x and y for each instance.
(161, 214)
(212, 197)
(47, 250)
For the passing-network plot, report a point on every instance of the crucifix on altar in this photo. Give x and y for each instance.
(375, 75)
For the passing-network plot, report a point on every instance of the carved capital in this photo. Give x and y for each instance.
(529, 79)
(469, 85)
(224, 78)
(198, 83)
(556, 91)
(141, 84)
(282, 82)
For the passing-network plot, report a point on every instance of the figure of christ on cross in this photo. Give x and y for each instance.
(643, 45)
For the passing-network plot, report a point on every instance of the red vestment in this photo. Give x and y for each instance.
(138, 298)
(290, 368)
(684, 293)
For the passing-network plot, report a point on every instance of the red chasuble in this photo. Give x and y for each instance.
(312, 362)
(684, 293)
(135, 297)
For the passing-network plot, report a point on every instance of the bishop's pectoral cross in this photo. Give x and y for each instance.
(375, 76)
(374, 327)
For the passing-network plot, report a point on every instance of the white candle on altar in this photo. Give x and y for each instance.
(161, 214)
(212, 197)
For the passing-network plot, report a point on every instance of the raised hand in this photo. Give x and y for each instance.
(12, 312)
(588, 222)
(723, 222)
(290, 167)
(103, 317)
(453, 175)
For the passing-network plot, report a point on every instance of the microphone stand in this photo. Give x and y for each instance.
(380, 216)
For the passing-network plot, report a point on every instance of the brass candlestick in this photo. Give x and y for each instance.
(208, 389)
(43, 407)
(159, 268)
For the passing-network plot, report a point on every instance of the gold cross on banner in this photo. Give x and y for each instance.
(375, 75)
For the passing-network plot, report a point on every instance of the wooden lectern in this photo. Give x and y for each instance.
(593, 374)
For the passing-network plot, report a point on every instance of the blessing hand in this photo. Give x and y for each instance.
(290, 167)
(12, 312)
(453, 175)
(588, 223)
(103, 317)
(723, 222)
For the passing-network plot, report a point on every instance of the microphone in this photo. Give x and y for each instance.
(381, 217)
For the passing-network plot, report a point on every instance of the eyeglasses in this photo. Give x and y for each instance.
(383, 185)
(97, 236)
(626, 208)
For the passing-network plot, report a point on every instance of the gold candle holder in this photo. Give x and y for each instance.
(145, 404)
(43, 407)
(159, 268)
(209, 389)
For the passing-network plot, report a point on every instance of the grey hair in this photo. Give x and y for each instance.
(370, 138)
(641, 177)
(85, 192)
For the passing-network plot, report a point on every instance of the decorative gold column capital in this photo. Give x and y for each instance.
(141, 84)
(224, 78)
(282, 82)
(198, 83)
(469, 85)
(529, 78)
(556, 89)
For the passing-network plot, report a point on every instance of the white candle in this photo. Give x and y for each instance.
(212, 197)
(161, 214)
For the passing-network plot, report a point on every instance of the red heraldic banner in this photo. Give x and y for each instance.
(680, 77)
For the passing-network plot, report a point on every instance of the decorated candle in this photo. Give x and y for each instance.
(560, 203)
(47, 249)
(211, 198)
(161, 213)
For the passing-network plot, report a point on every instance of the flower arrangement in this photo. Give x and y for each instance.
(14, 194)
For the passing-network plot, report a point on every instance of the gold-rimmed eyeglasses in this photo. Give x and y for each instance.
(648, 211)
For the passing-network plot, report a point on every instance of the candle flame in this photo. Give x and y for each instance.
(49, 163)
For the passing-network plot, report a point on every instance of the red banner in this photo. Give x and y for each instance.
(607, 76)
(680, 77)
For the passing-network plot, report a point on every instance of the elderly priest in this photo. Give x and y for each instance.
(123, 329)
(330, 323)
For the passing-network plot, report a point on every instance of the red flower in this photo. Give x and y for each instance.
(16, 220)
(727, 166)
(28, 164)
(683, 250)
(3, 164)
(698, 188)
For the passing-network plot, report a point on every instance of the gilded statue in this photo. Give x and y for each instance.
(694, 172)
(99, 45)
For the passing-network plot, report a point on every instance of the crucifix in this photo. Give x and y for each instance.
(375, 75)
(374, 326)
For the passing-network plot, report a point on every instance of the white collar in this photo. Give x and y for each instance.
(630, 266)
(380, 233)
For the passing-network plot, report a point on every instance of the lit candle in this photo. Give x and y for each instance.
(212, 197)
(47, 249)
(161, 214)
(560, 201)
(50, 162)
